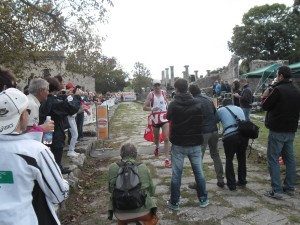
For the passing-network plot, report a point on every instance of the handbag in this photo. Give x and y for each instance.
(245, 127)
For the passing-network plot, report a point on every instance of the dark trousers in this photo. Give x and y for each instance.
(58, 153)
(235, 144)
(79, 121)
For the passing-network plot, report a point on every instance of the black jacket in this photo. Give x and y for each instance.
(209, 124)
(246, 98)
(185, 115)
(58, 108)
(283, 107)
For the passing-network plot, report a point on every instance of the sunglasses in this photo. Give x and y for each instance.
(29, 111)
(156, 85)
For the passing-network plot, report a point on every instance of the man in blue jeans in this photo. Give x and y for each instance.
(283, 106)
(186, 137)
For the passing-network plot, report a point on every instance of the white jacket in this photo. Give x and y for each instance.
(26, 164)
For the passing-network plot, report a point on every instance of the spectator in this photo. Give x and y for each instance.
(72, 132)
(282, 105)
(185, 114)
(217, 88)
(7, 79)
(210, 132)
(80, 115)
(234, 143)
(146, 213)
(236, 89)
(58, 108)
(38, 91)
(246, 98)
(157, 103)
(26, 165)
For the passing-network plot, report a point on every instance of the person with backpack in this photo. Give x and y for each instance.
(234, 143)
(132, 190)
(157, 103)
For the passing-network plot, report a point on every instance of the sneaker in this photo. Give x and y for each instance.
(288, 192)
(221, 184)
(65, 170)
(167, 163)
(204, 203)
(156, 151)
(173, 206)
(193, 186)
(72, 154)
(273, 194)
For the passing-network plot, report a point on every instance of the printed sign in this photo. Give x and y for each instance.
(102, 122)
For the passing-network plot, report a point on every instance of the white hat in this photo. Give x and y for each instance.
(12, 103)
(156, 82)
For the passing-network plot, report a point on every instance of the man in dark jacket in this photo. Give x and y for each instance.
(186, 137)
(246, 98)
(283, 107)
(58, 108)
(210, 132)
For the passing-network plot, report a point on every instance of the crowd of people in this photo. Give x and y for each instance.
(31, 172)
(191, 122)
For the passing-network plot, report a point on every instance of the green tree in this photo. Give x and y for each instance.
(267, 33)
(28, 26)
(141, 77)
(109, 77)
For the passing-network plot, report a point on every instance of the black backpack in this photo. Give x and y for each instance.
(127, 194)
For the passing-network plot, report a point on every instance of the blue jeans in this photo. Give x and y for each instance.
(247, 113)
(281, 144)
(195, 156)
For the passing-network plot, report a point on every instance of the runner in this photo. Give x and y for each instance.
(157, 103)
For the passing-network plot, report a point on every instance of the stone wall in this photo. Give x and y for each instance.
(229, 73)
(51, 64)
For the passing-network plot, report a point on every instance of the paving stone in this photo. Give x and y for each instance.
(266, 217)
(242, 201)
(233, 221)
(203, 214)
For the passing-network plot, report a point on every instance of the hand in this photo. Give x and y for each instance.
(236, 95)
(48, 126)
(155, 109)
(266, 93)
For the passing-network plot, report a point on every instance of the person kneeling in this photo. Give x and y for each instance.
(132, 190)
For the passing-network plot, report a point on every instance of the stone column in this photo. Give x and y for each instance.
(172, 76)
(167, 77)
(186, 72)
(163, 80)
(196, 74)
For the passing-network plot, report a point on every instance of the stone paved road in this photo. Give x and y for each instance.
(246, 206)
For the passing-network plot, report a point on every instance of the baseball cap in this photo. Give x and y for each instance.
(12, 103)
(156, 82)
(69, 85)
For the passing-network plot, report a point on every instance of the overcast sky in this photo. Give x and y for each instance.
(164, 33)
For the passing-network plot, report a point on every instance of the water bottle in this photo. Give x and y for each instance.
(47, 138)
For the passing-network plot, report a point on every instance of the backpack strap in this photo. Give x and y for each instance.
(235, 117)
